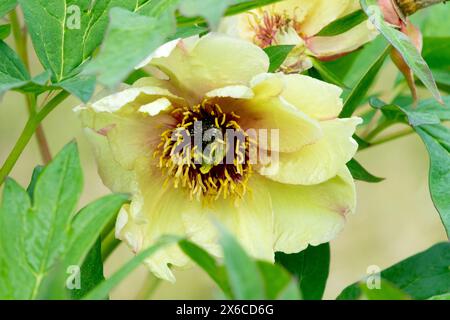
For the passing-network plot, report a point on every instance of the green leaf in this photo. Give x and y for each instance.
(104, 288)
(277, 55)
(445, 296)
(13, 73)
(87, 225)
(421, 276)
(427, 111)
(56, 195)
(211, 10)
(359, 91)
(127, 30)
(311, 267)
(437, 141)
(65, 33)
(343, 24)
(360, 173)
(36, 173)
(436, 52)
(244, 276)
(327, 74)
(403, 44)
(276, 279)
(6, 6)
(5, 30)
(205, 261)
(387, 291)
(80, 86)
(91, 272)
(16, 278)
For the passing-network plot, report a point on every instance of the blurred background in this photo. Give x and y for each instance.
(395, 218)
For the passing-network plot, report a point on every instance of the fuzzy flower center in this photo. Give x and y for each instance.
(207, 152)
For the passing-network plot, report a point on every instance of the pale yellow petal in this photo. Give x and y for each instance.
(215, 61)
(286, 127)
(320, 161)
(343, 43)
(236, 92)
(316, 98)
(322, 13)
(311, 215)
(113, 175)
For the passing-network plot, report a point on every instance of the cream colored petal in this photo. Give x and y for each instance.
(322, 13)
(311, 215)
(156, 211)
(250, 220)
(343, 43)
(162, 52)
(273, 121)
(236, 92)
(215, 61)
(114, 176)
(320, 161)
(318, 99)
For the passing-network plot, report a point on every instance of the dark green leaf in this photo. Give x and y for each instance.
(205, 261)
(36, 173)
(104, 288)
(276, 279)
(91, 272)
(277, 55)
(360, 173)
(421, 276)
(437, 141)
(311, 267)
(343, 24)
(359, 91)
(5, 30)
(245, 279)
(13, 73)
(404, 46)
(327, 74)
(87, 225)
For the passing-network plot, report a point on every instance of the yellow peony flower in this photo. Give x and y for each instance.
(297, 193)
(297, 22)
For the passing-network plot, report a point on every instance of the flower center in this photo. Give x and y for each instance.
(270, 25)
(207, 152)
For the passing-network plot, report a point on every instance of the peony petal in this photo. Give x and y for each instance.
(322, 13)
(236, 92)
(212, 63)
(250, 219)
(343, 43)
(114, 176)
(320, 161)
(269, 111)
(318, 99)
(156, 210)
(311, 215)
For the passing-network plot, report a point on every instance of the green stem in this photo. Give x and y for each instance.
(375, 132)
(30, 127)
(20, 38)
(392, 136)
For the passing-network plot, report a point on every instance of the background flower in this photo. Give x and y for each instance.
(298, 22)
